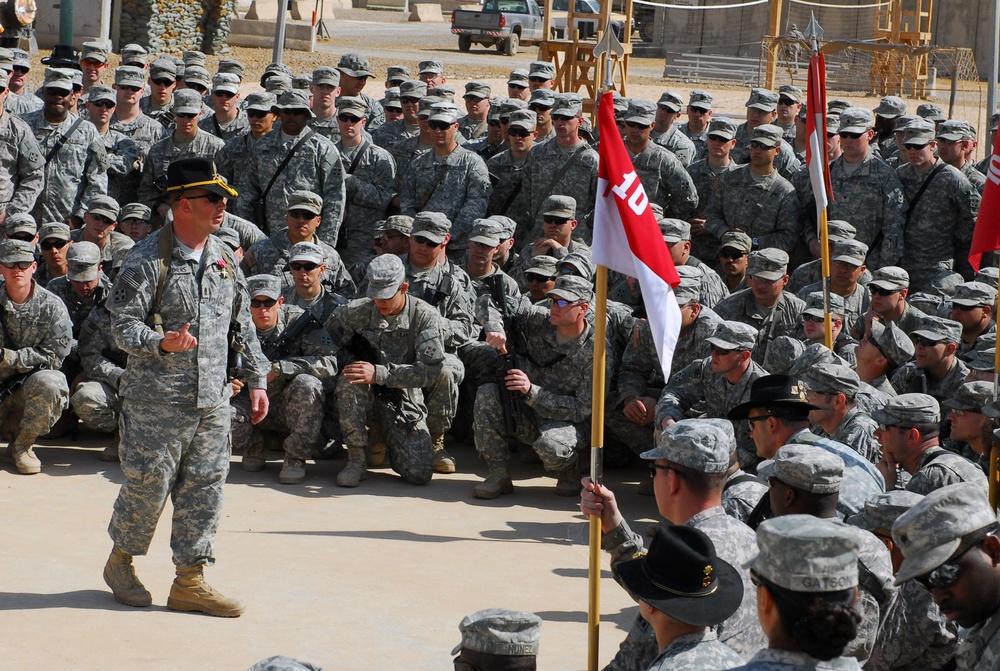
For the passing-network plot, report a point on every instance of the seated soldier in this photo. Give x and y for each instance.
(558, 214)
(833, 389)
(497, 639)
(36, 336)
(540, 276)
(136, 221)
(399, 350)
(935, 369)
(53, 241)
(883, 350)
(100, 222)
(847, 265)
(301, 355)
(307, 265)
(734, 253)
(21, 227)
(972, 306)
(813, 324)
(890, 287)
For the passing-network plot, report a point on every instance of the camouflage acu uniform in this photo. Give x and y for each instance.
(783, 319)
(144, 132)
(457, 185)
(404, 153)
(76, 173)
(980, 649)
(861, 479)
(328, 127)
(296, 392)
(699, 140)
(767, 210)
(231, 162)
(810, 273)
(774, 659)
(22, 166)
(122, 154)
(700, 651)
(322, 306)
(247, 231)
(35, 334)
(376, 115)
(910, 379)
(579, 181)
(677, 143)
(914, 635)
(938, 468)
(315, 167)
(271, 256)
(706, 180)
(857, 430)
(856, 306)
(370, 185)
(153, 184)
(394, 131)
(21, 104)
(506, 176)
(79, 308)
(785, 163)
(471, 129)
(939, 227)
(665, 181)
(175, 418)
(557, 408)
(741, 494)
(228, 130)
(410, 347)
(115, 242)
(96, 401)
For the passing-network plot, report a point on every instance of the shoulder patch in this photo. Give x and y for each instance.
(430, 348)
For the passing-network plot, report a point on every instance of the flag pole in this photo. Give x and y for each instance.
(609, 47)
(994, 489)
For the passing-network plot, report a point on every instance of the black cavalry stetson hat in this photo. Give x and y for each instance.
(63, 56)
(197, 173)
(782, 394)
(682, 577)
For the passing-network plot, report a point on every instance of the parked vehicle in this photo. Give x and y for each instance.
(504, 24)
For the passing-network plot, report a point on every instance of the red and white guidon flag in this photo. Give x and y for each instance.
(986, 237)
(816, 154)
(627, 238)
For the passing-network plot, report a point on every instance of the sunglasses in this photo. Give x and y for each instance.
(263, 302)
(256, 114)
(721, 352)
(562, 117)
(20, 69)
(943, 577)
(347, 118)
(537, 107)
(884, 292)
(212, 198)
(965, 308)
(563, 303)
(223, 94)
(733, 255)
(439, 125)
(760, 145)
(884, 428)
(101, 219)
(533, 277)
(420, 240)
(472, 98)
(409, 100)
(197, 87)
(913, 147)
(296, 112)
(926, 342)
(850, 136)
(493, 122)
(307, 266)
(301, 214)
(20, 265)
(786, 102)
(813, 318)
(697, 110)
(633, 124)
(49, 245)
(538, 80)
(130, 89)
(718, 138)
(106, 104)
(519, 132)
(558, 221)
(185, 115)
(516, 86)
(162, 82)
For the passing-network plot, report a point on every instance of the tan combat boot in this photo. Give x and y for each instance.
(497, 481)
(568, 480)
(253, 458)
(293, 471)
(443, 462)
(110, 453)
(190, 593)
(119, 575)
(25, 460)
(377, 447)
(356, 470)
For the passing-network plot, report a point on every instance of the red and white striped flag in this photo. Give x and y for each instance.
(627, 238)
(816, 154)
(986, 237)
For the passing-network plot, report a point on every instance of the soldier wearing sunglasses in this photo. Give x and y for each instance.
(228, 120)
(935, 369)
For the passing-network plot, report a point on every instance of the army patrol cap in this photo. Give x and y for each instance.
(838, 229)
(850, 251)
(355, 65)
(814, 304)
(305, 200)
(989, 275)
(325, 75)
(791, 92)
(768, 135)
(945, 522)
(385, 275)
(197, 173)
(278, 83)
(434, 226)
(578, 264)
(892, 342)
(106, 206)
(782, 353)
(163, 68)
(58, 78)
(6, 62)
(832, 122)
(306, 251)
(572, 288)
(525, 119)
(890, 107)
(293, 99)
(412, 88)
(101, 93)
(674, 230)
(882, 510)
(22, 222)
(734, 336)
(984, 361)
(136, 211)
(568, 104)
(391, 100)
(501, 632)
(443, 91)
(909, 410)
(974, 294)
(954, 130)
(224, 81)
(95, 51)
(768, 264)
(192, 57)
(518, 77)
(689, 290)
(53, 229)
(620, 104)
(671, 101)
(763, 100)
(352, 105)
(444, 111)
(22, 59)
(541, 265)
(919, 132)
(17, 251)
(855, 120)
(511, 105)
(264, 284)
(994, 121)
(426, 104)
(890, 278)
(736, 240)
(807, 467)
(559, 206)
(722, 127)
(478, 90)
(542, 98)
(84, 261)
(186, 101)
(129, 75)
(701, 445)
(972, 397)
(542, 70)
(194, 74)
(274, 69)
(931, 112)
(804, 553)
(485, 232)
(232, 67)
(832, 378)
(938, 329)
(260, 101)
(902, 122)
(397, 74)
(431, 68)
(701, 99)
(641, 112)
(397, 222)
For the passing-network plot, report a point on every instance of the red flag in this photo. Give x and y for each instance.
(627, 238)
(816, 149)
(986, 237)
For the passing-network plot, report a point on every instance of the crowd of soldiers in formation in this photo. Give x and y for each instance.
(414, 271)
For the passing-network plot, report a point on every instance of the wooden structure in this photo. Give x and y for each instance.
(577, 70)
(905, 22)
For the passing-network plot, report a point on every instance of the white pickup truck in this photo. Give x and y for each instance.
(504, 24)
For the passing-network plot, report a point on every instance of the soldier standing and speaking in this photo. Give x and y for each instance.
(175, 416)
